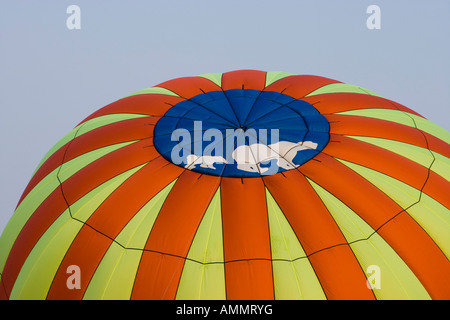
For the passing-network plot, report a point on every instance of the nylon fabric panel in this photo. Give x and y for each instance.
(293, 275)
(435, 219)
(207, 246)
(249, 280)
(28, 236)
(114, 213)
(421, 254)
(119, 132)
(370, 127)
(320, 237)
(361, 196)
(45, 257)
(273, 76)
(114, 278)
(403, 194)
(248, 268)
(394, 115)
(189, 87)
(203, 275)
(106, 167)
(390, 163)
(213, 77)
(200, 281)
(144, 104)
(244, 79)
(432, 220)
(427, 158)
(73, 189)
(308, 217)
(135, 234)
(340, 102)
(438, 188)
(3, 294)
(432, 129)
(397, 280)
(298, 86)
(242, 102)
(153, 90)
(441, 166)
(32, 209)
(157, 277)
(82, 129)
(38, 270)
(414, 153)
(179, 218)
(88, 126)
(122, 131)
(339, 88)
(181, 213)
(86, 252)
(378, 210)
(403, 118)
(351, 282)
(378, 159)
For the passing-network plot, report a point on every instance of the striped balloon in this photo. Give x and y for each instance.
(350, 201)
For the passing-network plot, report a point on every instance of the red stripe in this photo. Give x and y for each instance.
(3, 295)
(114, 213)
(158, 276)
(86, 252)
(122, 131)
(420, 253)
(399, 230)
(345, 101)
(438, 145)
(33, 229)
(391, 164)
(147, 104)
(172, 235)
(244, 79)
(371, 127)
(332, 259)
(356, 192)
(74, 188)
(298, 86)
(378, 159)
(54, 161)
(305, 211)
(107, 167)
(182, 212)
(109, 220)
(438, 188)
(248, 271)
(188, 87)
(340, 275)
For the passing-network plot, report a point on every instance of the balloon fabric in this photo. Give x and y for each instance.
(238, 185)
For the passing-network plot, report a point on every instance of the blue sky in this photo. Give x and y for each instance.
(51, 77)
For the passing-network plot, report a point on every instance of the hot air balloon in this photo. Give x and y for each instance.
(238, 185)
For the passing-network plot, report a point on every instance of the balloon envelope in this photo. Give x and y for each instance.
(241, 185)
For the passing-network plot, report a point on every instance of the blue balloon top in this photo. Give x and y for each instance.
(241, 133)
